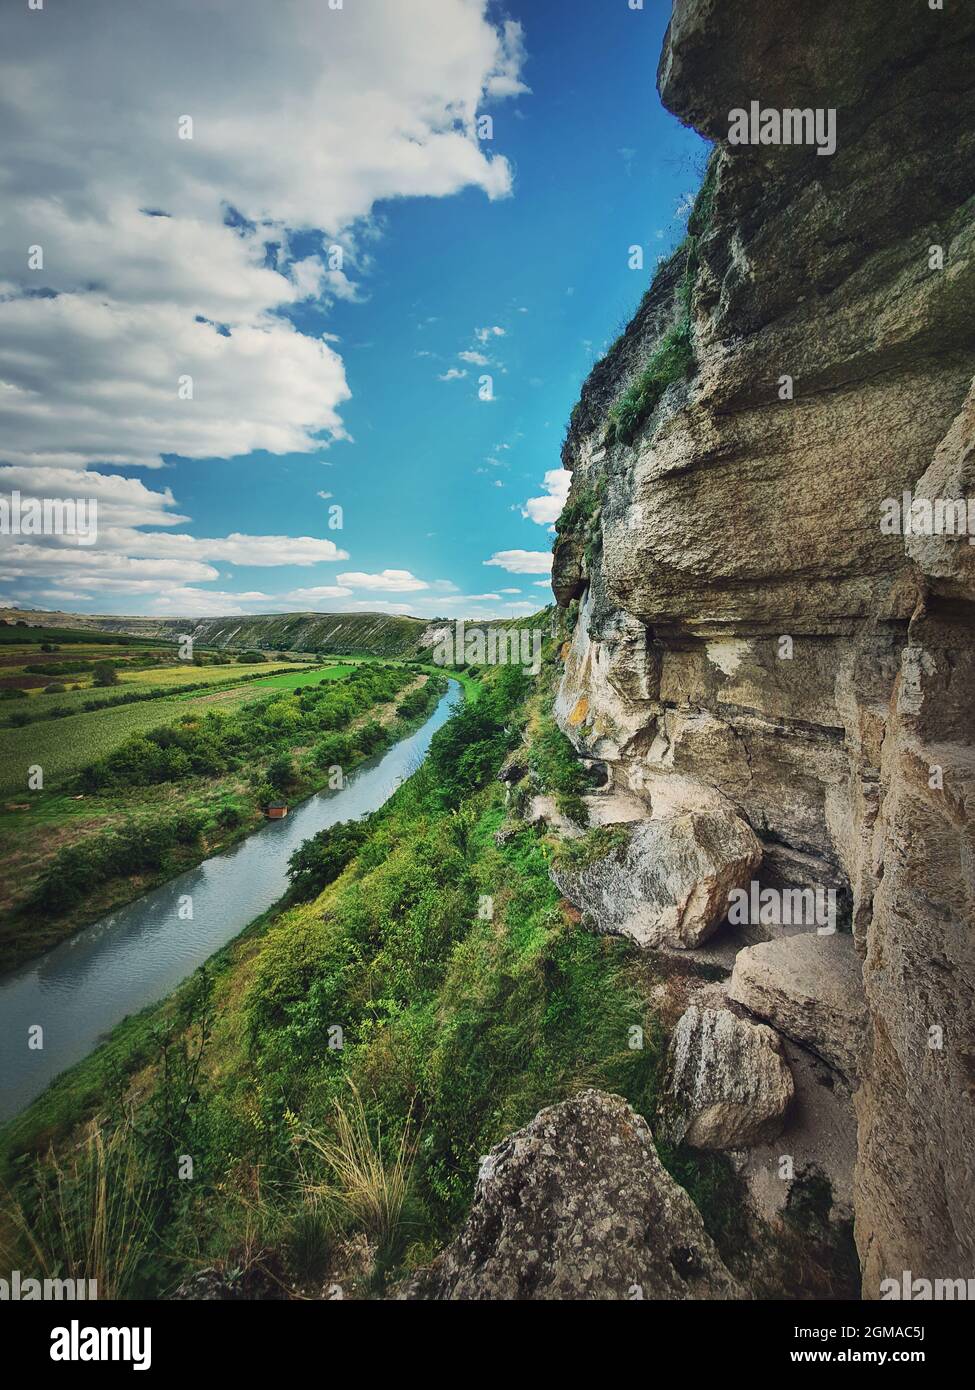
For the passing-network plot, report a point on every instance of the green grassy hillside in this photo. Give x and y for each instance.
(366, 634)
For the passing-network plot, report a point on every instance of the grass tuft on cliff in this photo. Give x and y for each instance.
(673, 357)
(672, 360)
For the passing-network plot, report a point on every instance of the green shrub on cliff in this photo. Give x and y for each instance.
(559, 771)
(672, 360)
(673, 357)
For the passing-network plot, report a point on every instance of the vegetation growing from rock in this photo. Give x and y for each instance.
(558, 770)
(673, 357)
(597, 843)
(672, 360)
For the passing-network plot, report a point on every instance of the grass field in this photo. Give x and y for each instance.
(290, 679)
(63, 746)
(185, 673)
(154, 677)
(27, 653)
(15, 635)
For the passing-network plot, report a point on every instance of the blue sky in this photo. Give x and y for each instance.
(529, 286)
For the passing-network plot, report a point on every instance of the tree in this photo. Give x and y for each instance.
(281, 772)
(105, 673)
(320, 860)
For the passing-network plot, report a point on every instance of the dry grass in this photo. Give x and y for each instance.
(88, 1217)
(368, 1189)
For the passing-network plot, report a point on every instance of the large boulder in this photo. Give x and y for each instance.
(728, 1084)
(662, 882)
(577, 1205)
(811, 988)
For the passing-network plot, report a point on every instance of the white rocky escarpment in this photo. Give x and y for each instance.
(744, 633)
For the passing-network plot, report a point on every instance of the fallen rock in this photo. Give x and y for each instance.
(215, 1284)
(543, 810)
(514, 767)
(577, 1205)
(728, 1085)
(811, 988)
(664, 882)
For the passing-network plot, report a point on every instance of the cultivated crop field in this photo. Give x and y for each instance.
(288, 680)
(185, 673)
(63, 746)
(156, 677)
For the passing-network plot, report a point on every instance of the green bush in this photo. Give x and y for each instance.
(672, 360)
(320, 860)
(141, 846)
(281, 772)
(558, 770)
(260, 734)
(468, 750)
(105, 674)
(371, 738)
(334, 750)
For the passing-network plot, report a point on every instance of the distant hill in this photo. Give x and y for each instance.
(364, 634)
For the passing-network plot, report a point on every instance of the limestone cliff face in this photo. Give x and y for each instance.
(744, 631)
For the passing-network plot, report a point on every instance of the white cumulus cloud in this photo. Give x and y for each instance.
(522, 561)
(302, 117)
(389, 581)
(546, 510)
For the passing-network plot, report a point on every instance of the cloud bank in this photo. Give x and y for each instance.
(145, 278)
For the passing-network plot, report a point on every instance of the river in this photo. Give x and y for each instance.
(82, 988)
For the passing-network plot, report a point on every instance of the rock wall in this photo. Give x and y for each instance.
(745, 631)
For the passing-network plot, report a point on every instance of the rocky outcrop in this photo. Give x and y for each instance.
(577, 1205)
(915, 1195)
(728, 1085)
(746, 625)
(811, 988)
(664, 882)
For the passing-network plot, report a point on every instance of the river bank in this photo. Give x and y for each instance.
(478, 1015)
(50, 822)
(135, 956)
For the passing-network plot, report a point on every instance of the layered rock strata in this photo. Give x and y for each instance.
(749, 627)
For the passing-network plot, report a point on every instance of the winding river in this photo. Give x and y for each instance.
(134, 957)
